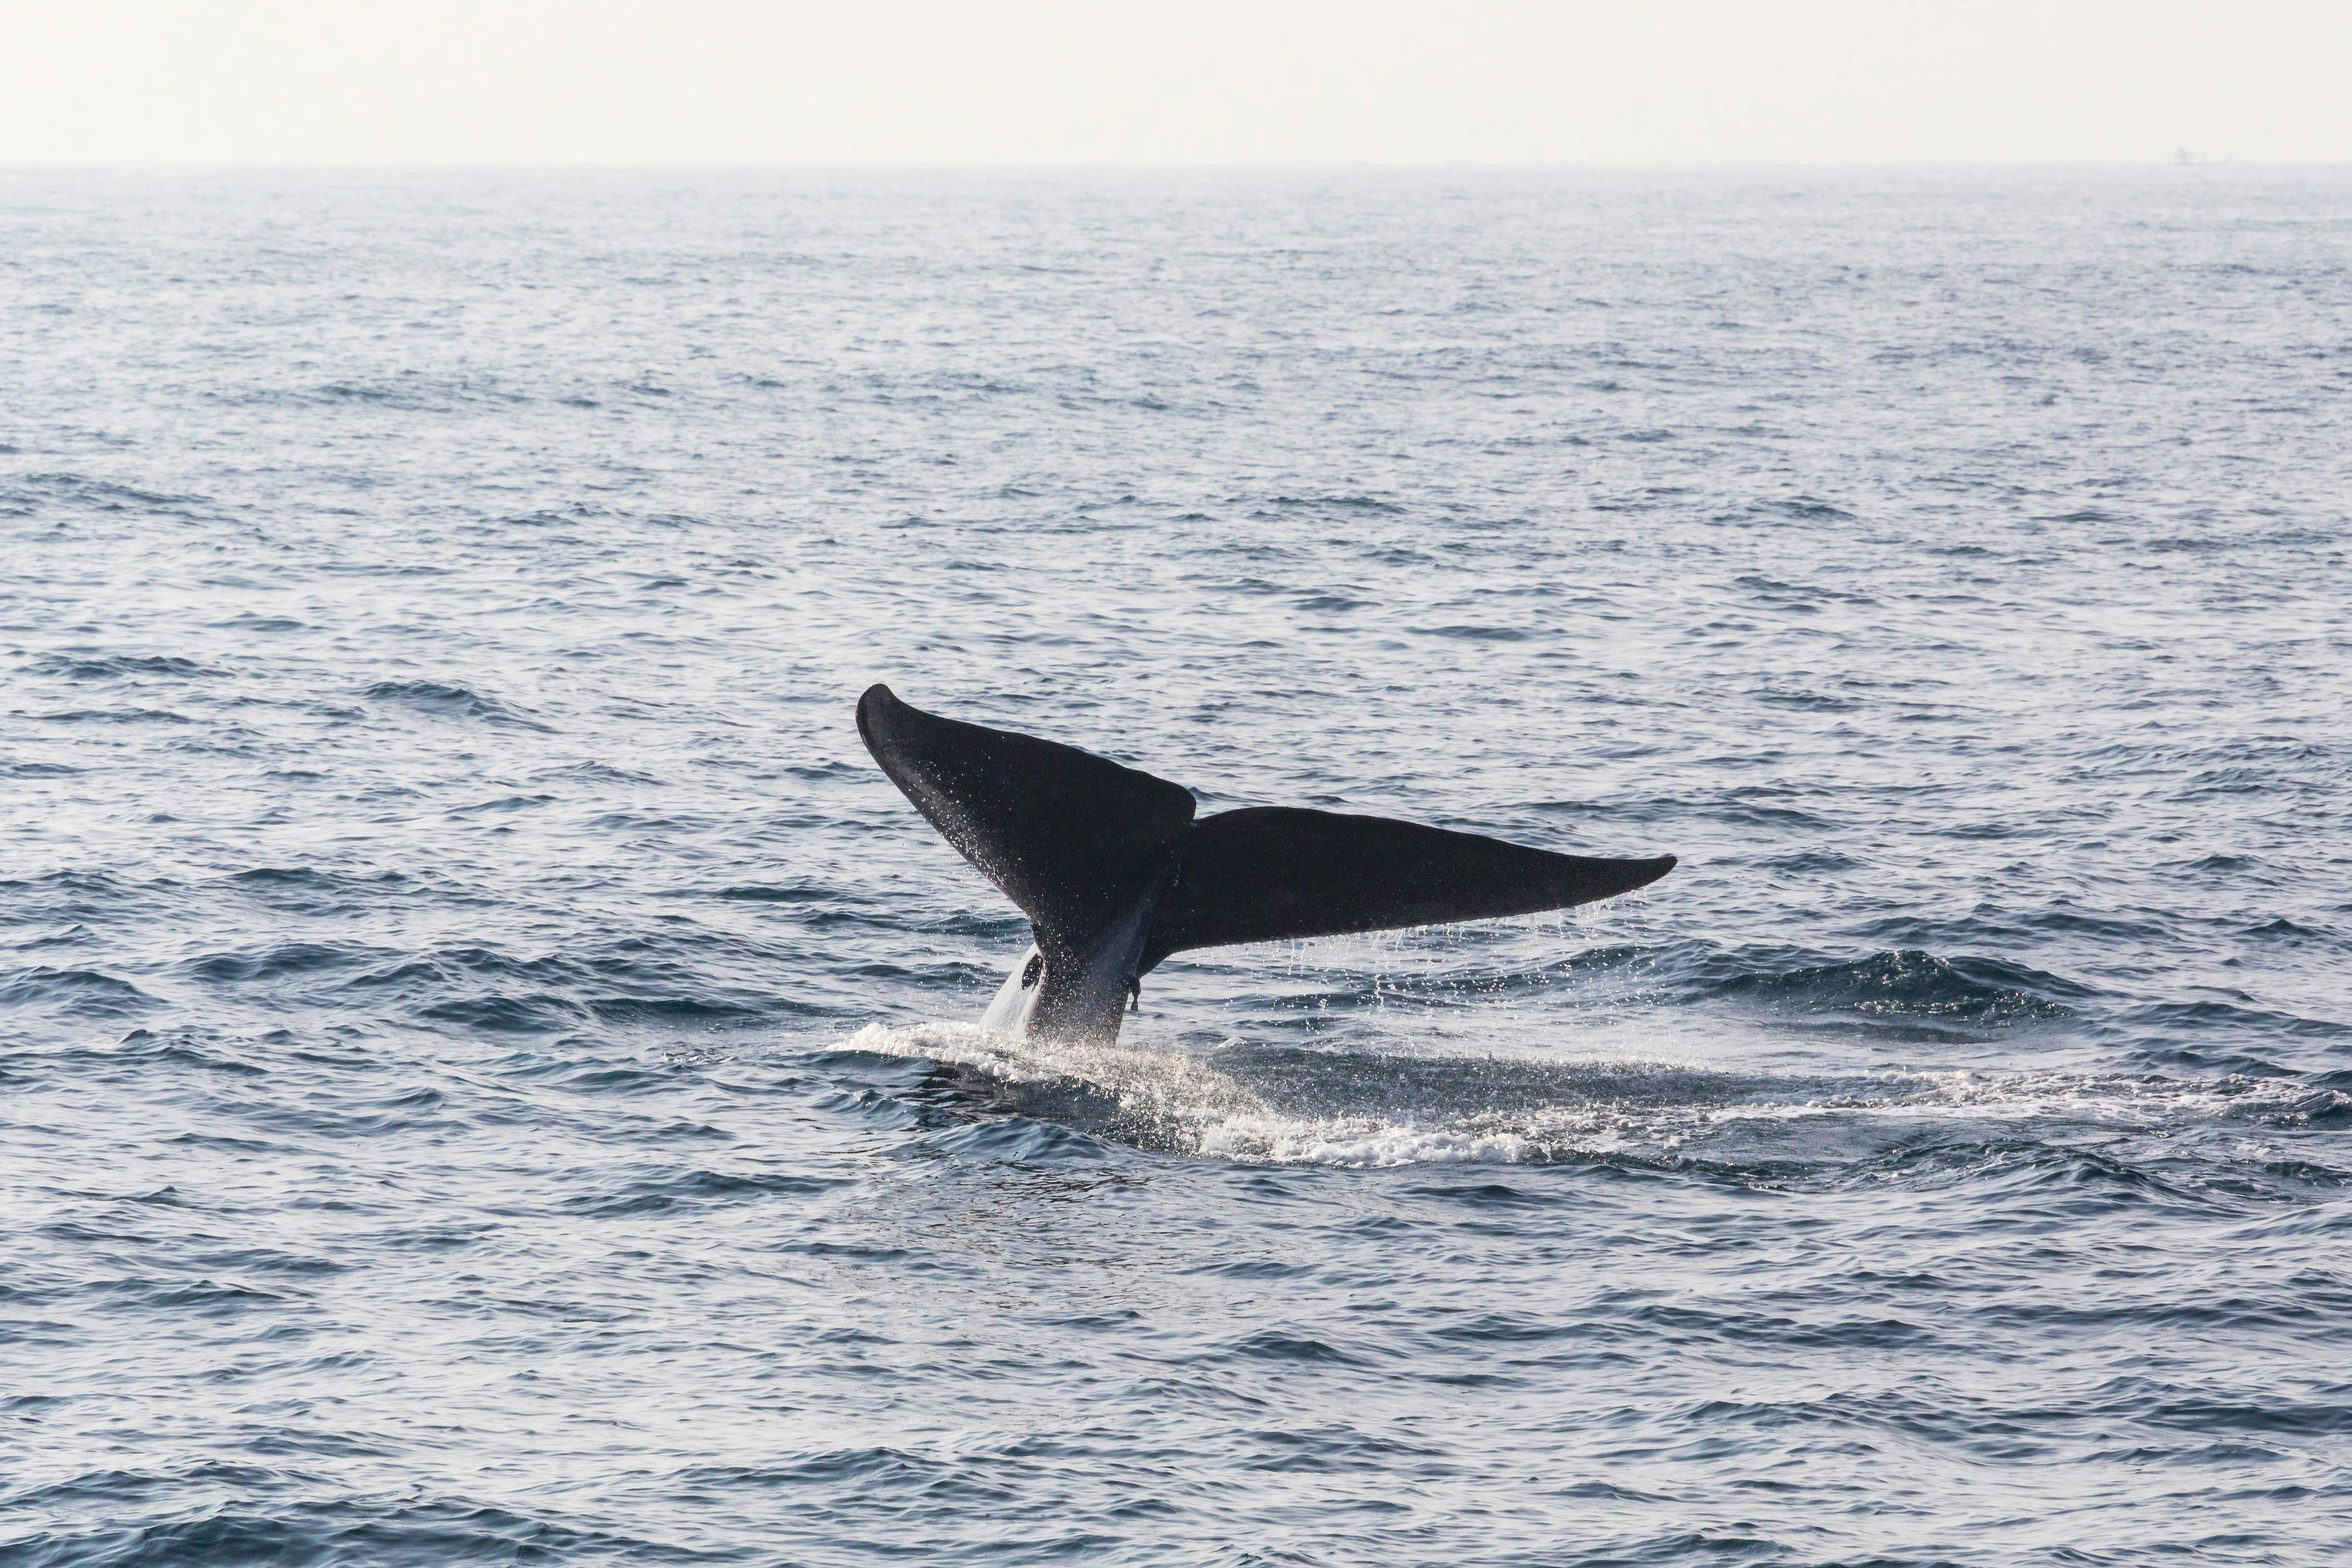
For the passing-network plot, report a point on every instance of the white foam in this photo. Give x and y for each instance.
(1188, 1104)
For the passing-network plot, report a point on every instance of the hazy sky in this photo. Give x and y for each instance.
(1198, 80)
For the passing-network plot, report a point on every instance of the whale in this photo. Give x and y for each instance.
(1116, 872)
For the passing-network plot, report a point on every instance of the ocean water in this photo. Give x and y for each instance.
(486, 1064)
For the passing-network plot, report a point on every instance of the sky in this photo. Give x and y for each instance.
(1384, 81)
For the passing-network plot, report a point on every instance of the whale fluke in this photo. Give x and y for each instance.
(1070, 837)
(1115, 875)
(1272, 873)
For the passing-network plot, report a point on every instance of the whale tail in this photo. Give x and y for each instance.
(1271, 873)
(1072, 838)
(1076, 841)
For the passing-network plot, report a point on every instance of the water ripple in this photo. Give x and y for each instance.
(487, 1061)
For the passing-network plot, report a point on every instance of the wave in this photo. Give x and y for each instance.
(1896, 994)
(100, 495)
(478, 987)
(1905, 984)
(117, 666)
(453, 702)
(279, 961)
(309, 1531)
(115, 716)
(77, 993)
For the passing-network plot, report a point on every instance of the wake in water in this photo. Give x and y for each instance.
(1379, 1108)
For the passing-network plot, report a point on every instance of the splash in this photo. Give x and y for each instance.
(1292, 1105)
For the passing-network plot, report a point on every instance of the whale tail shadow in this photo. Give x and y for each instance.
(1076, 841)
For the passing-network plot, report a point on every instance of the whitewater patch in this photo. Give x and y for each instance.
(1369, 1108)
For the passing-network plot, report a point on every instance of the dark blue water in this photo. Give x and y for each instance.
(487, 1060)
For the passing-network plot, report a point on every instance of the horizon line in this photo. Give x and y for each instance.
(2172, 162)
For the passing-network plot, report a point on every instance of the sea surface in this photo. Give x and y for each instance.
(487, 1069)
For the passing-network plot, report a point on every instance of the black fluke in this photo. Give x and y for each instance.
(1115, 874)
(1071, 837)
(1270, 872)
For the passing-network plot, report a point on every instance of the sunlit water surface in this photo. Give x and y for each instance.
(489, 1071)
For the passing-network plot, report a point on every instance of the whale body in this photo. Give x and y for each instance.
(1116, 874)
